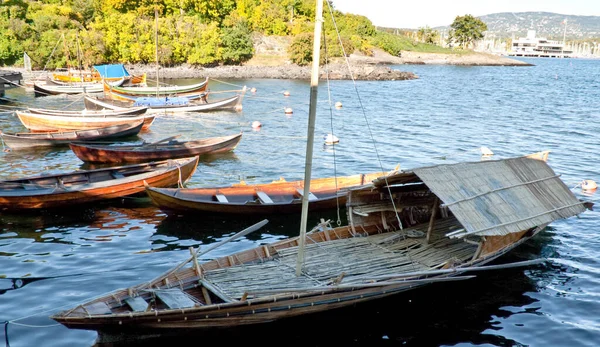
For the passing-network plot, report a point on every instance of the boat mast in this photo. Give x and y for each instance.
(310, 138)
(156, 46)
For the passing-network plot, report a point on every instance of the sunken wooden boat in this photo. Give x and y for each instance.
(168, 104)
(63, 138)
(38, 122)
(161, 150)
(87, 186)
(251, 199)
(406, 230)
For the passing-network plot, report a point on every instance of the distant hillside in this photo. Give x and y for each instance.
(545, 24)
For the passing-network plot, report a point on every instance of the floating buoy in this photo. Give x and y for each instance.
(253, 90)
(286, 93)
(256, 125)
(588, 185)
(486, 152)
(288, 110)
(338, 105)
(330, 139)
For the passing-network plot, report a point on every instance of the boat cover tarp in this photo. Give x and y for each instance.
(168, 101)
(498, 197)
(112, 70)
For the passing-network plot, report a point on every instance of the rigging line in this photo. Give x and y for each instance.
(337, 199)
(363, 111)
(231, 84)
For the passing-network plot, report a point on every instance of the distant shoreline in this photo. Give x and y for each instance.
(370, 68)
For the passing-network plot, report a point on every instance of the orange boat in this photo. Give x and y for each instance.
(83, 187)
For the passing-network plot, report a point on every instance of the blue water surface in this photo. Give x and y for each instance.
(53, 260)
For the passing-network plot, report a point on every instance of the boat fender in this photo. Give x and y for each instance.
(588, 185)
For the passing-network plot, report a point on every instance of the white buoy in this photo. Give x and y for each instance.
(253, 90)
(338, 105)
(256, 125)
(588, 185)
(486, 152)
(286, 93)
(288, 110)
(330, 139)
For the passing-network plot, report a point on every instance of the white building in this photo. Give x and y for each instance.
(532, 46)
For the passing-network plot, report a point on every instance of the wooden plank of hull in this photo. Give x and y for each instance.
(46, 123)
(51, 193)
(148, 152)
(131, 111)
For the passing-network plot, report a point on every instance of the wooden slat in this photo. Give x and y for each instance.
(264, 198)
(221, 198)
(137, 304)
(311, 196)
(174, 298)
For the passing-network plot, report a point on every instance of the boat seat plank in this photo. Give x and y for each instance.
(221, 198)
(137, 303)
(174, 298)
(311, 196)
(264, 198)
(97, 308)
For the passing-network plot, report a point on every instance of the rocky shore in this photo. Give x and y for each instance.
(373, 68)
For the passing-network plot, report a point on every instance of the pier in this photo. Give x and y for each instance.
(8, 80)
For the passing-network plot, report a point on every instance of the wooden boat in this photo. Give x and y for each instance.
(37, 122)
(50, 87)
(164, 149)
(406, 230)
(244, 199)
(167, 105)
(131, 111)
(82, 187)
(49, 139)
(180, 90)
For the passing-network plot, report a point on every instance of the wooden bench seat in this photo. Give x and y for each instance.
(263, 197)
(311, 196)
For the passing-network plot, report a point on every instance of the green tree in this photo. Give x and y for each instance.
(466, 30)
(428, 35)
(236, 44)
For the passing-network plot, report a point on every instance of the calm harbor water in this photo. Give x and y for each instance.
(52, 260)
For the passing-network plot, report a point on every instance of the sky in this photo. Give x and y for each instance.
(416, 14)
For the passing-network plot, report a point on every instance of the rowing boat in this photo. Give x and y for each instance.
(50, 139)
(38, 122)
(87, 186)
(164, 149)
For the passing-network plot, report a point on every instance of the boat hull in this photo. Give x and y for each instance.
(50, 139)
(285, 197)
(84, 187)
(44, 123)
(160, 151)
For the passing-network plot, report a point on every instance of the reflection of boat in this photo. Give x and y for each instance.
(80, 187)
(48, 122)
(408, 229)
(160, 150)
(26, 140)
(269, 198)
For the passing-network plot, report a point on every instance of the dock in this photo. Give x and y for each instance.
(9, 79)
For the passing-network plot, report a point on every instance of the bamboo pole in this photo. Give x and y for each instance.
(314, 84)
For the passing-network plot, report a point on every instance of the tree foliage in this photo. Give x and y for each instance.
(61, 33)
(466, 30)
